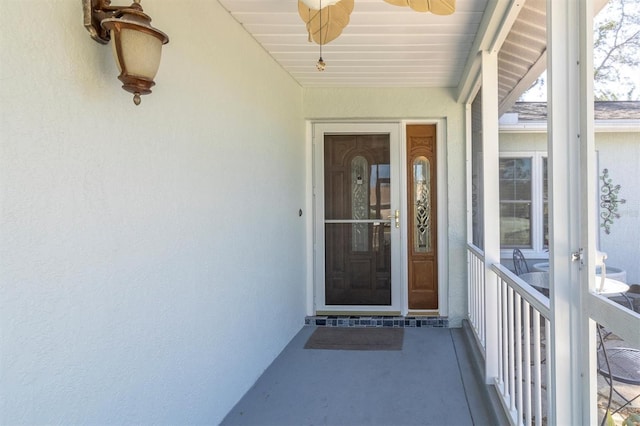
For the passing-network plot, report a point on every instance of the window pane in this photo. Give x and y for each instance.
(515, 178)
(507, 190)
(522, 190)
(380, 193)
(515, 202)
(515, 224)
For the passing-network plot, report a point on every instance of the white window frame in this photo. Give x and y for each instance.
(537, 251)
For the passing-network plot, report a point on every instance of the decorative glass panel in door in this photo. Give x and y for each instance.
(422, 205)
(422, 256)
(357, 226)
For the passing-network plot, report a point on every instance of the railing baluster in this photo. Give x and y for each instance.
(518, 361)
(505, 340)
(511, 350)
(482, 301)
(477, 301)
(527, 362)
(479, 318)
(470, 285)
(537, 376)
(547, 356)
(499, 339)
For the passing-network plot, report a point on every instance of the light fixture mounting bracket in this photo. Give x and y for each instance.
(95, 11)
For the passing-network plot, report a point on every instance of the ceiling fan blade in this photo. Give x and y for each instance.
(437, 7)
(443, 7)
(419, 5)
(334, 19)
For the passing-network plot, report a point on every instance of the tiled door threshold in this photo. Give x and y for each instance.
(376, 321)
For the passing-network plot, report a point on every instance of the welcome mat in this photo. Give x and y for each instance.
(356, 339)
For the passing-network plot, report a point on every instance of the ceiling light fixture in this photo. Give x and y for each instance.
(137, 46)
(320, 65)
(317, 4)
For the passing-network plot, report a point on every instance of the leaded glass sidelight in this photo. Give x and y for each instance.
(422, 205)
(360, 203)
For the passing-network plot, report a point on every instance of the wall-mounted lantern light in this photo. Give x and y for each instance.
(137, 46)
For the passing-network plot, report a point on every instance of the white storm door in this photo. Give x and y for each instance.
(357, 217)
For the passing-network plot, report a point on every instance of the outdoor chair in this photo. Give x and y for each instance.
(519, 262)
(618, 364)
(633, 294)
(630, 299)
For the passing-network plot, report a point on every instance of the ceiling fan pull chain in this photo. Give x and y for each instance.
(309, 26)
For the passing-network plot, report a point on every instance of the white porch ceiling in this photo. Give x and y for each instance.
(390, 46)
(382, 46)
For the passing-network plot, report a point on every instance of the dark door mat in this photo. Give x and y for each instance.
(356, 339)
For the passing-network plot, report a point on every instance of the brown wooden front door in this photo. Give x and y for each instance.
(421, 212)
(357, 229)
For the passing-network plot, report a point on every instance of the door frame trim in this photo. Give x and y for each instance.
(442, 216)
(311, 223)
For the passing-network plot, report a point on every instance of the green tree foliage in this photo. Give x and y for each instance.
(616, 55)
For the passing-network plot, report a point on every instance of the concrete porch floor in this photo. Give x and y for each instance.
(433, 380)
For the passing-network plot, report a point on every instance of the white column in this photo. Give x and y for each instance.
(588, 207)
(570, 98)
(490, 159)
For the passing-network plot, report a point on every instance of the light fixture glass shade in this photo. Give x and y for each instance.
(437, 7)
(315, 4)
(140, 55)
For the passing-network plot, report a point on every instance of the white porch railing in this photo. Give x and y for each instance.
(523, 320)
(476, 292)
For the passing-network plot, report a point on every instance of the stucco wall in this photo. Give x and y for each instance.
(413, 103)
(620, 154)
(510, 142)
(152, 257)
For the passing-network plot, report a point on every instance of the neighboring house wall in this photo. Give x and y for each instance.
(417, 104)
(619, 152)
(152, 257)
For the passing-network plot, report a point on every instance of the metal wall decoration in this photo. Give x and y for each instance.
(609, 201)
